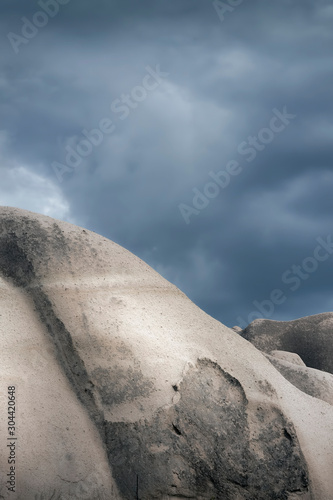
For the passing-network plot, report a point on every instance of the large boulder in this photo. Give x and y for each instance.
(310, 337)
(124, 389)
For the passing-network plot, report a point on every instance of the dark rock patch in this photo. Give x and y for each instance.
(204, 446)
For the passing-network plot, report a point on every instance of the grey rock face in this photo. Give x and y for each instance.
(127, 390)
(201, 446)
(310, 337)
(313, 382)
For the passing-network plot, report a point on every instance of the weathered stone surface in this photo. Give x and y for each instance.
(310, 337)
(291, 357)
(204, 450)
(313, 382)
(125, 389)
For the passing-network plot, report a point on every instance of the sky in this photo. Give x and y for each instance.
(195, 133)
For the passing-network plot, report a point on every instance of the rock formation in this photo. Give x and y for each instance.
(310, 337)
(125, 389)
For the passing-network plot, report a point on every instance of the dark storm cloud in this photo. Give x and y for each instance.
(225, 78)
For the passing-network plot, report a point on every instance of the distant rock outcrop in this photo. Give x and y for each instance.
(126, 390)
(310, 337)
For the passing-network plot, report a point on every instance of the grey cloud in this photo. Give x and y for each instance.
(225, 78)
